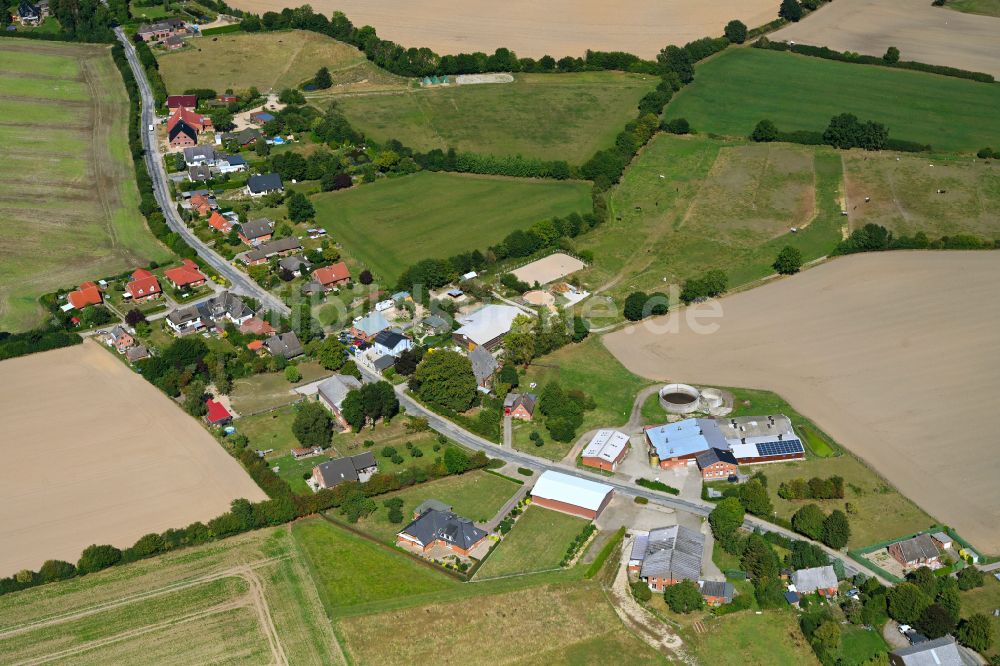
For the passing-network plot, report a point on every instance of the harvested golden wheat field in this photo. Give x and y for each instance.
(94, 454)
(533, 29)
(895, 355)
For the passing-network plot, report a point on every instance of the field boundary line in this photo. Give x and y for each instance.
(214, 610)
(142, 596)
(259, 603)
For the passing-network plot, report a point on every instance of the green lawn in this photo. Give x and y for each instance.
(690, 204)
(537, 542)
(737, 639)
(858, 645)
(259, 392)
(732, 92)
(349, 570)
(984, 7)
(293, 471)
(476, 496)
(393, 223)
(70, 203)
(270, 430)
(546, 116)
(985, 600)
(588, 367)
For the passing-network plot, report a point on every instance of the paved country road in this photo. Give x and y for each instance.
(242, 284)
(697, 507)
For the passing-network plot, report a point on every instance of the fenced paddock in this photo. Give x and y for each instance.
(469, 79)
(548, 269)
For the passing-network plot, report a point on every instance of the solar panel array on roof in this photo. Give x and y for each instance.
(780, 448)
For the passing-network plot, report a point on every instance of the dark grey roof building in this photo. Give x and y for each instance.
(444, 527)
(353, 468)
(483, 366)
(264, 184)
(713, 456)
(938, 652)
(265, 251)
(668, 555)
(181, 127)
(722, 591)
(254, 229)
(284, 344)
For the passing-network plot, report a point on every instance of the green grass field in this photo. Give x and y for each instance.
(197, 605)
(279, 60)
(985, 600)
(912, 194)
(983, 7)
(537, 542)
(732, 92)
(393, 223)
(690, 204)
(546, 116)
(476, 496)
(591, 368)
(351, 571)
(741, 638)
(69, 208)
(556, 624)
(259, 392)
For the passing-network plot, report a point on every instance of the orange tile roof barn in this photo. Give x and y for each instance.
(220, 223)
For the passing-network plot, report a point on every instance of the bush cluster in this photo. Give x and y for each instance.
(577, 543)
(30, 342)
(876, 238)
(814, 488)
(657, 485)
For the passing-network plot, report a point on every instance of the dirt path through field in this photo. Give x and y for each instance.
(533, 29)
(920, 31)
(895, 355)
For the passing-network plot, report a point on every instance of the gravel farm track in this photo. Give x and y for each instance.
(895, 355)
(533, 29)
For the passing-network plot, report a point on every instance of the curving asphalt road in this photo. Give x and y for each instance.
(697, 507)
(241, 283)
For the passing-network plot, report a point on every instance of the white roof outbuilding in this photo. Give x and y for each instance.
(568, 489)
(488, 323)
(606, 445)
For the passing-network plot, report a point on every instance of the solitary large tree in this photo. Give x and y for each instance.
(736, 32)
(322, 80)
(790, 10)
(976, 632)
(312, 425)
(809, 521)
(836, 530)
(907, 603)
(683, 597)
(789, 261)
(445, 378)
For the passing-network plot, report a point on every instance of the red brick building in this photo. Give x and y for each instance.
(571, 494)
(717, 464)
(332, 276)
(606, 450)
(520, 406)
(143, 286)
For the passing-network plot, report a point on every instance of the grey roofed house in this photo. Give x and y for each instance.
(199, 155)
(285, 344)
(938, 652)
(429, 504)
(514, 399)
(264, 183)
(185, 317)
(714, 588)
(226, 305)
(433, 525)
(383, 363)
(136, 353)
(313, 288)
(672, 553)
(351, 468)
(27, 11)
(920, 547)
(199, 173)
(294, 263)
(483, 365)
(333, 390)
(436, 322)
(809, 580)
(268, 250)
(254, 229)
(243, 137)
(713, 456)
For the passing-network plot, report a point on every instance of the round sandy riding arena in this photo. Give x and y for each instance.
(471, 79)
(548, 269)
(533, 29)
(919, 30)
(538, 297)
(95, 454)
(896, 355)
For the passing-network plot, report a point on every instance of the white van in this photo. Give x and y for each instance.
(150, 128)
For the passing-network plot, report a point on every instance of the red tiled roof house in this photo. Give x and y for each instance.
(199, 122)
(219, 222)
(332, 276)
(217, 414)
(143, 286)
(186, 276)
(87, 294)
